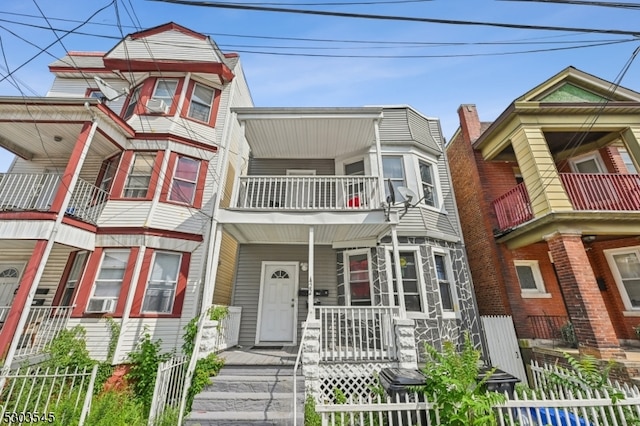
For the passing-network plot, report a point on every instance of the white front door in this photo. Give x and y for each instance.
(9, 280)
(278, 302)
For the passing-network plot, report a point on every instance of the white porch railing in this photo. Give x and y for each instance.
(350, 333)
(308, 193)
(169, 387)
(19, 191)
(229, 329)
(87, 201)
(43, 324)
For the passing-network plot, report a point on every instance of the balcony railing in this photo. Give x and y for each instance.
(513, 208)
(36, 192)
(547, 326)
(308, 193)
(349, 333)
(591, 191)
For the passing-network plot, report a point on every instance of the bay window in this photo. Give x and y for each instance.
(133, 102)
(429, 192)
(139, 177)
(165, 90)
(107, 286)
(185, 180)
(75, 273)
(393, 171)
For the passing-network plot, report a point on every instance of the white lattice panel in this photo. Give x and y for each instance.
(351, 379)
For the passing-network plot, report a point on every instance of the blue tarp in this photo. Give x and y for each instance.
(553, 417)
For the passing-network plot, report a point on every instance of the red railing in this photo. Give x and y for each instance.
(594, 191)
(513, 208)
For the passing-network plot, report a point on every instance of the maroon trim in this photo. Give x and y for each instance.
(166, 27)
(202, 178)
(149, 65)
(189, 142)
(85, 285)
(126, 282)
(149, 232)
(168, 180)
(117, 187)
(77, 223)
(141, 285)
(16, 215)
(215, 104)
(62, 285)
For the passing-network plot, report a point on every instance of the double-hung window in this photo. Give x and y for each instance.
(411, 282)
(108, 283)
(201, 102)
(625, 265)
(73, 278)
(161, 287)
(108, 172)
(530, 278)
(165, 91)
(140, 173)
(185, 180)
(393, 171)
(446, 285)
(133, 102)
(428, 184)
(358, 278)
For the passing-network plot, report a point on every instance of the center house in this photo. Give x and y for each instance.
(345, 218)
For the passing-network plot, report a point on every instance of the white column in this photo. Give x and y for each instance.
(376, 128)
(310, 284)
(398, 271)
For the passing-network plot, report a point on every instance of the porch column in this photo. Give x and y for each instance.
(539, 172)
(311, 313)
(376, 129)
(239, 156)
(586, 308)
(631, 137)
(398, 271)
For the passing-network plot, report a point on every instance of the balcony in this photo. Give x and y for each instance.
(308, 193)
(586, 191)
(36, 192)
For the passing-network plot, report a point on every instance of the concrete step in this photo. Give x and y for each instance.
(257, 370)
(229, 383)
(245, 401)
(271, 418)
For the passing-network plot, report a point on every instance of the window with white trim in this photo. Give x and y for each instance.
(358, 278)
(73, 278)
(588, 163)
(412, 286)
(139, 177)
(133, 101)
(393, 171)
(108, 172)
(165, 90)
(163, 281)
(625, 265)
(446, 284)
(185, 180)
(627, 160)
(201, 102)
(108, 283)
(529, 277)
(427, 178)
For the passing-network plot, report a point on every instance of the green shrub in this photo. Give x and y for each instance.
(311, 418)
(568, 334)
(205, 368)
(454, 387)
(69, 350)
(116, 408)
(144, 369)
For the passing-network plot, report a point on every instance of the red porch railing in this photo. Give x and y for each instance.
(513, 208)
(591, 191)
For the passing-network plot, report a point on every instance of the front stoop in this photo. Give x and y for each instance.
(249, 395)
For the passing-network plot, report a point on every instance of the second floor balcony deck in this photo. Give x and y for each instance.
(586, 191)
(20, 192)
(315, 193)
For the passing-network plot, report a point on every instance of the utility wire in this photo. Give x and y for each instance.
(615, 5)
(395, 18)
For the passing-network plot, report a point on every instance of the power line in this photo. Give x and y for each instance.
(584, 3)
(395, 18)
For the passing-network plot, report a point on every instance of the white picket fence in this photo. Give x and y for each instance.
(169, 386)
(550, 403)
(44, 395)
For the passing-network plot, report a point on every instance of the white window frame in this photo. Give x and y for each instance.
(595, 156)
(627, 160)
(630, 309)
(168, 100)
(194, 183)
(453, 285)
(71, 283)
(160, 284)
(130, 174)
(97, 280)
(347, 275)
(210, 106)
(424, 313)
(532, 293)
(435, 176)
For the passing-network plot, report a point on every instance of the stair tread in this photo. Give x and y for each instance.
(245, 395)
(238, 378)
(240, 415)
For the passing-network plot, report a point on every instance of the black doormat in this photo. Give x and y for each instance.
(273, 348)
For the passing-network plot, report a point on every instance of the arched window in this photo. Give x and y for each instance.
(280, 274)
(9, 273)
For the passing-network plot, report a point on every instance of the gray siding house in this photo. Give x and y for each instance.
(348, 239)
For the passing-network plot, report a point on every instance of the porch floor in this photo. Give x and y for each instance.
(248, 356)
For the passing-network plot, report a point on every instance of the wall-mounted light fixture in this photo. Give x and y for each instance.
(304, 266)
(588, 238)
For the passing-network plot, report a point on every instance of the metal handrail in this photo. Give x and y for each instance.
(295, 373)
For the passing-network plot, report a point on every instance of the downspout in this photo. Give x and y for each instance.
(49, 247)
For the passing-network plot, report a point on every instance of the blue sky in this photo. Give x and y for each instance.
(469, 72)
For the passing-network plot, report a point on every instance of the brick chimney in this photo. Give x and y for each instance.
(469, 122)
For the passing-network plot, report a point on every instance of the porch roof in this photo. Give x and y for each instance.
(308, 132)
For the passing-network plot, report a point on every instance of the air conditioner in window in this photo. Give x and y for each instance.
(98, 305)
(157, 105)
